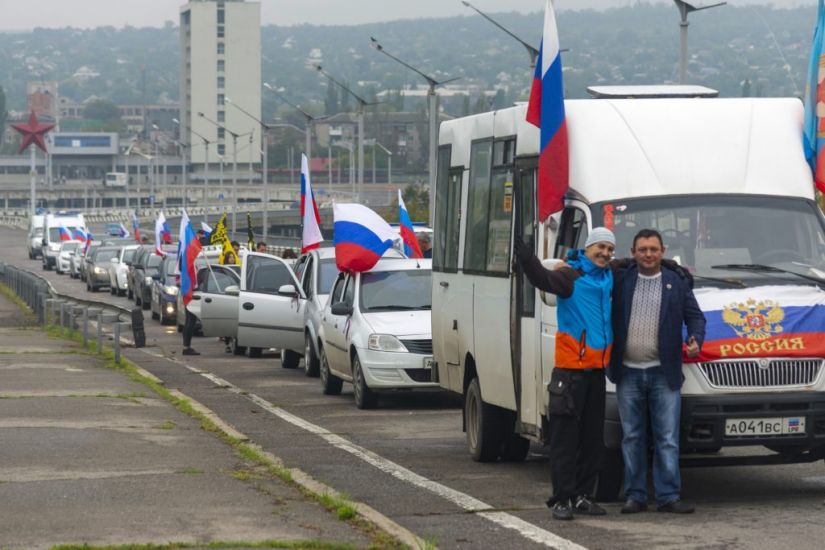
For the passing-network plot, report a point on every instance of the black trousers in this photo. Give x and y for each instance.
(189, 328)
(576, 424)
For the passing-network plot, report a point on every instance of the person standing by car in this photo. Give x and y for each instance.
(651, 304)
(577, 386)
(425, 245)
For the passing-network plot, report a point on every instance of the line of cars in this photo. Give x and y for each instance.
(370, 329)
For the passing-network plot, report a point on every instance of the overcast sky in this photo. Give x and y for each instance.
(27, 14)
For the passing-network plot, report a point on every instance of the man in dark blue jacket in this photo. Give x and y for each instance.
(651, 304)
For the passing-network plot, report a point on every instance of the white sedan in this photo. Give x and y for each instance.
(64, 256)
(376, 331)
(119, 273)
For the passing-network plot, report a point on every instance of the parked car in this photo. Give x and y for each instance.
(208, 257)
(317, 272)
(64, 256)
(376, 331)
(266, 310)
(83, 265)
(76, 262)
(98, 264)
(113, 229)
(217, 311)
(118, 275)
(164, 291)
(144, 267)
(130, 275)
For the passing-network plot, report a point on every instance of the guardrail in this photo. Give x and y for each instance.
(75, 313)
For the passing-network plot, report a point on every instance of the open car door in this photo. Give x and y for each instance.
(270, 313)
(217, 310)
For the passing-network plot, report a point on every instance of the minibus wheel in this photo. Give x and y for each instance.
(484, 425)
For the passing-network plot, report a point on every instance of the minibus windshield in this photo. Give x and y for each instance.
(705, 232)
(396, 290)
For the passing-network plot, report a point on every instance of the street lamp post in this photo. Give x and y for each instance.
(432, 104)
(265, 147)
(206, 143)
(235, 137)
(684, 9)
(361, 104)
(307, 117)
(531, 50)
(182, 148)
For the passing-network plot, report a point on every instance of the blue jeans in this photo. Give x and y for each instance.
(644, 394)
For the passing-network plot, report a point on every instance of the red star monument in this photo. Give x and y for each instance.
(33, 133)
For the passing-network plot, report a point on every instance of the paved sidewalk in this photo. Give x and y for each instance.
(89, 456)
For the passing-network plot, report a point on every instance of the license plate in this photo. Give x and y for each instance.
(429, 363)
(749, 427)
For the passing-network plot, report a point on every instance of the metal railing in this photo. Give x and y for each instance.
(75, 314)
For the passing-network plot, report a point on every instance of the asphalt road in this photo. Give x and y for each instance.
(408, 459)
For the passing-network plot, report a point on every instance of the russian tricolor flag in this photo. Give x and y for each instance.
(80, 235)
(162, 234)
(65, 234)
(89, 239)
(814, 124)
(310, 216)
(546, 110)
(190, 247)
(405, 227)
(123, 232)
(361, 237)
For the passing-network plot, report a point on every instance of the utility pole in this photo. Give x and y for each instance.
(531, 50)
(685, 9)
(360, 114)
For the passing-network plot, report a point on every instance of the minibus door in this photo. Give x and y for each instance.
(522, 301)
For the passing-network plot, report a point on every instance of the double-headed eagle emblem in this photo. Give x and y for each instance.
(754, 320)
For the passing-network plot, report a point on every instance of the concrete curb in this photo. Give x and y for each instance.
(223, 426)
(303, 479)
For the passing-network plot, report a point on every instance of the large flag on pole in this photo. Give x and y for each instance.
(546, 110)
(135, 226)
(162, 234)
(64, 233)
(814, 130)
(405, 227)
(190, 247)
(122, 232)
(184, 223)
(310, 217)
(361, 237)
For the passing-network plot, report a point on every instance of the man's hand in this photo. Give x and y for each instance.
(692, 347)
(521, 252)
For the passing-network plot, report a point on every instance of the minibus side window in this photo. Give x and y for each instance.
(440, 233)
(573, 231)
(478, 204)
(453, 220)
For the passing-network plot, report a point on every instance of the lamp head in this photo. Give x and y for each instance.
(226, 99)
(176, 121)
(266, 85)
(200, 114)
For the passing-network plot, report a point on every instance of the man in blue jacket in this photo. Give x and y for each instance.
(651, 304)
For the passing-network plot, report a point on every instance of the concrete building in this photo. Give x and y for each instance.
(220, 43)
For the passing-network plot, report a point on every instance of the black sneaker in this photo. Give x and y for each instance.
(676, 507)
(634, 507)
(583, 505)
(563, 510)
(189, 351)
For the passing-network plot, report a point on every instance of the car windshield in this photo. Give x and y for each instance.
(328, 273)
(128, 254)
(105, 255)
(153, 260)
(705, 231)
(71, 247)
(396, 290)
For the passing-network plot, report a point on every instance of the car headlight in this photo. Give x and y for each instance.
(385, 342)
(100, 270)
(171, 290)
(147, 280)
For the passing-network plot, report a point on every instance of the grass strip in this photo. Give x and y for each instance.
(288, 544)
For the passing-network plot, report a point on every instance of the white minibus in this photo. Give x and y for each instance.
(726, 183)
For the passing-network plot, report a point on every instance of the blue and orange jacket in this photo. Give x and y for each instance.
(585, 335)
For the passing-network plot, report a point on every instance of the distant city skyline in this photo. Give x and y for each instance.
(22, 15)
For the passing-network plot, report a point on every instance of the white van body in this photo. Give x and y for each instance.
(34, 240)
(724, 180)
(51, 238)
